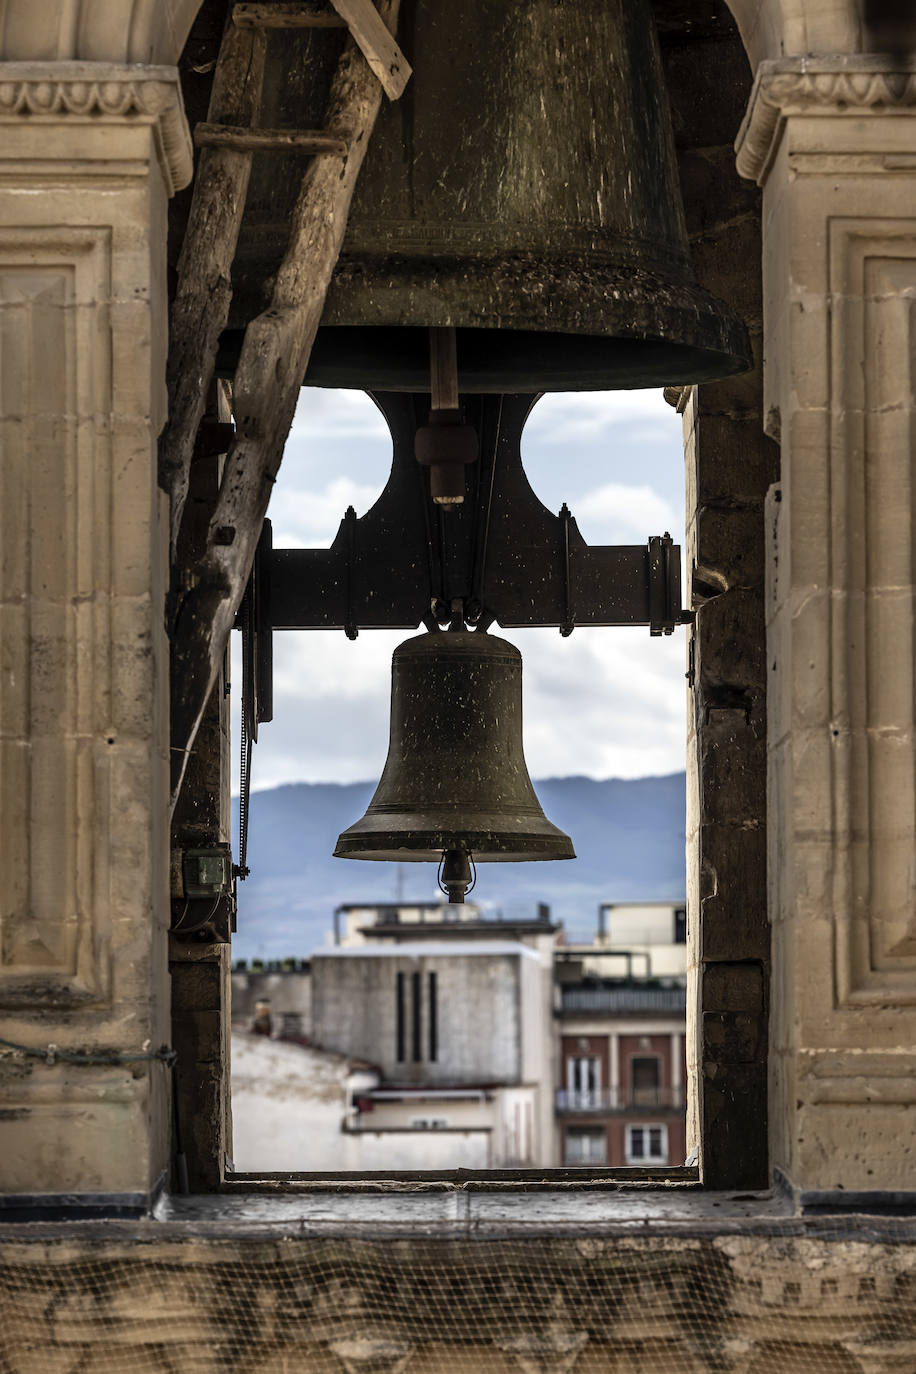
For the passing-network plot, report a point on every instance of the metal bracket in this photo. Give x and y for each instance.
(500, 553)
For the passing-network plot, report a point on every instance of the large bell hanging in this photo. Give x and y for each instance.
(524, 189)
(455, 778)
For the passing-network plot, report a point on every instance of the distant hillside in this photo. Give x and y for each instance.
(628, 835)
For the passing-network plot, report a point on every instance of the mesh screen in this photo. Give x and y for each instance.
(834, 1303)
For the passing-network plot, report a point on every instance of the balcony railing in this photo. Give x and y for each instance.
(619, 1099)
(609, 1001)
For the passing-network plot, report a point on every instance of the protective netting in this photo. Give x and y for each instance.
(139, 1299)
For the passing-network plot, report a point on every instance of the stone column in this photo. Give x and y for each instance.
(89, 153)
(730, 465)
(833, 143)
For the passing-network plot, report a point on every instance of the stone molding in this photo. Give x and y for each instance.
(94, 90)
(871, 282)
(834, 87)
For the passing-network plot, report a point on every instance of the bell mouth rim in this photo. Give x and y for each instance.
(567, 323)
(428, 846)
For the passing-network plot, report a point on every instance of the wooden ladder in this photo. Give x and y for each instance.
(278, 342)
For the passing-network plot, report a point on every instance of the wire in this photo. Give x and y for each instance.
(246, 733)
(52, 1053)
(179, 928)
(480, 555)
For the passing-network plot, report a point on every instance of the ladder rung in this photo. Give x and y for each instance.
(285, 17)
(270, 140)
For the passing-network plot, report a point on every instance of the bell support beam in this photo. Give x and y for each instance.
(204, 291)
(274, 358)
(502, 554)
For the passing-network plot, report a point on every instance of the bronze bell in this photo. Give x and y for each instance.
(455, 785)
(524, 190)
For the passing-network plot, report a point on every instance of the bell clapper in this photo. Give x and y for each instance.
(457, 875)
(445, 445)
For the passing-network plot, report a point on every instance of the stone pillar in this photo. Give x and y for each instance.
(730, 465)
(833, 143)
(89, 153)
(199, 951)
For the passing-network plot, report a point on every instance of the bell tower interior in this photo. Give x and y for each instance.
(730, 465)
(176, 189)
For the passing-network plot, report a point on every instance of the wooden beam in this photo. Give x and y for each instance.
(376, 44)
(285, 17)
(201, 305)
(273, 362)
(242, 140)
(360, 16)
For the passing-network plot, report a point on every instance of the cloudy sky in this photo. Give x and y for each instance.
(604, 702)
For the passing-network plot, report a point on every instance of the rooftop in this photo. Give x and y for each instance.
(425, 949)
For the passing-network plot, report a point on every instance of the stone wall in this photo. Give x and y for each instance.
(89, 155)
(161, 1297)
(832, 141)
(730, 465)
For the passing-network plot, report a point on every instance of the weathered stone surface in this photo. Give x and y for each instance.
(89, 154)
(828, 139)
(152, 1299)
(730, 466)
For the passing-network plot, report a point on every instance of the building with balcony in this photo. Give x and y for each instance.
(621, 1073)
(620, 1036)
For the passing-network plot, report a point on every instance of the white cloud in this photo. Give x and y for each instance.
(619, 514)
(606, 703)
(321, 413)
(561, 417)
(601, 703)
(310, 519)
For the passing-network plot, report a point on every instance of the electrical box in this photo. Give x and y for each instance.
(206, 872)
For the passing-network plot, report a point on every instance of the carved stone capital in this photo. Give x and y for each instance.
(835, 87)
(102, 91)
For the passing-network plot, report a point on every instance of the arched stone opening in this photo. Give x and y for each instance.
(156, 32)
(730, 466)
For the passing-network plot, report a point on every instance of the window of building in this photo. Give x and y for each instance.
(416, 989)
(429, 1123)
(585, 1145)
(647, 1145)
(680, 925)
(645, 1080)
(583, 1080)
(400, 1029)
(433, 995)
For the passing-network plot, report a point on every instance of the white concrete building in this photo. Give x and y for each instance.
(457, 1031)
(653, 933)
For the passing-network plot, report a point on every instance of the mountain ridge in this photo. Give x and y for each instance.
(628, 834)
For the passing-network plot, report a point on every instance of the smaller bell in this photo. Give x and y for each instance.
(455, 788)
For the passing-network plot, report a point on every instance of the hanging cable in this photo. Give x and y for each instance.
(244, 793)
(248, 731)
